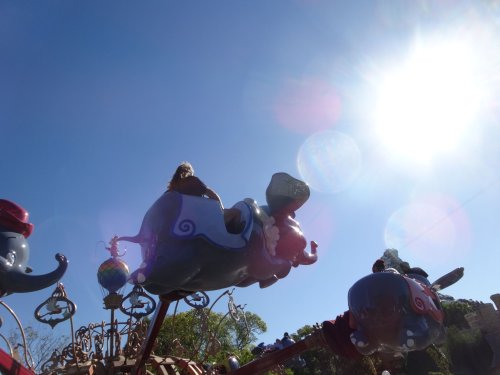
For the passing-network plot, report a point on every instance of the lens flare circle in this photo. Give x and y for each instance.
(329, 161)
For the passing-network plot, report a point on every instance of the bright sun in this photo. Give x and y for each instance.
(426, 105)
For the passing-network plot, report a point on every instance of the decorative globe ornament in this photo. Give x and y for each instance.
(112, 274)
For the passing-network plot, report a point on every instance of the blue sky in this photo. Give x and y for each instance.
(387, 109)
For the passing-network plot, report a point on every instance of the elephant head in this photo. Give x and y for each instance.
(186, 246)
(391, 312)
(15, 274)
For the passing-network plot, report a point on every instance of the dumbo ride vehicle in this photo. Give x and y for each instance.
(15, 274)
(186, 246)
(392, 312)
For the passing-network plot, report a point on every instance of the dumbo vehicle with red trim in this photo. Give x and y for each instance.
(396, 312)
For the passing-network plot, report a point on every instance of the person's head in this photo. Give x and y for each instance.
(378, 266)
(184, 170)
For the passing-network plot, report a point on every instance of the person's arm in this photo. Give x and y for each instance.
(213, 195)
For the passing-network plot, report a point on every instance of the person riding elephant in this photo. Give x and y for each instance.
(185, 182)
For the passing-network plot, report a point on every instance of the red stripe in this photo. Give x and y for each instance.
(9, 365)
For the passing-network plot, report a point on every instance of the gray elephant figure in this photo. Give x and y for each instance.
(186, 246)
(394, 313)
(15, 274)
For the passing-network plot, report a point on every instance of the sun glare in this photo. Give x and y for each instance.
(426, 105)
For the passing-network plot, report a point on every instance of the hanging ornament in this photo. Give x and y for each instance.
(55, 309)
(197, 300)
(137, 303)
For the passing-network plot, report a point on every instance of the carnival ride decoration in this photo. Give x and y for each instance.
(384, 308)
(137, 303)
(112, 274)
(389, 312)
(186, 246)
(393, 312)
(119, 347)
(15, 274)
(98, 348)
(55, 309)
(106, 347)
(113, 347)
(197, 300)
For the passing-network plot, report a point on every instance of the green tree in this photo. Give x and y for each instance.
(454, 313)
(431, 360)
(207, 336)
(468, 351)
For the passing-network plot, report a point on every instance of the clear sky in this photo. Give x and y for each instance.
(388, 109)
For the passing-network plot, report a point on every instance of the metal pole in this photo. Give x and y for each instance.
(271, 360)
(29, 364)
(112, 333)
(152, 333)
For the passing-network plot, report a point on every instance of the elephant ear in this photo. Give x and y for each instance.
(449, 279)
(286, 194)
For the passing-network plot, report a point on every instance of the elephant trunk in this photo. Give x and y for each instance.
(19, 282)
(305, 258)
(135, 239)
